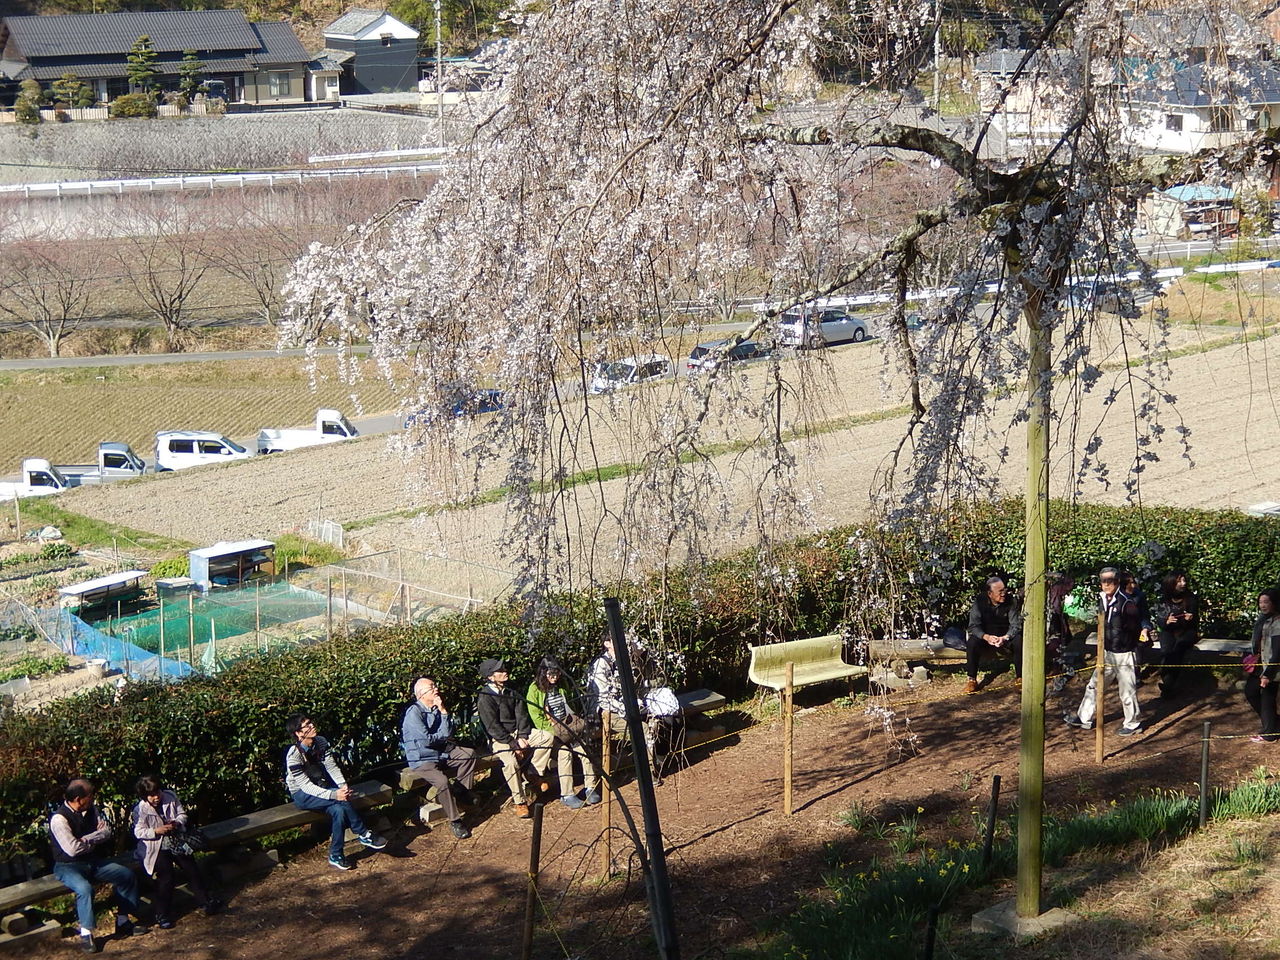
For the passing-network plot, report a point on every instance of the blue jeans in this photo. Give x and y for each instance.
(342, 815)
(81, 875)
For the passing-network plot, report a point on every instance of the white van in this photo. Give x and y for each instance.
(631, 370)
(179, 449)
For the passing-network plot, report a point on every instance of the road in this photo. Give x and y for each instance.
(146, 359)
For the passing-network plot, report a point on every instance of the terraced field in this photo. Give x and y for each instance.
(62, 414)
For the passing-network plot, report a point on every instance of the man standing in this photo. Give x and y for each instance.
(424, 738)
(315, 781)
(511, 733)
(995, 624)
(1122, 634)
(77, 832)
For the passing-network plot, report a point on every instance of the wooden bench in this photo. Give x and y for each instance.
(222, 834)
(412, 781)
(1206, 645)
(816, 659)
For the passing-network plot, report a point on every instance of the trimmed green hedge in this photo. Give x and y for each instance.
(220, 740)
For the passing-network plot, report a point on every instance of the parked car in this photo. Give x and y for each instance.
(631, 370)
(704, 358)
(809, 328)
(331, 426)
(179, 449)
(487, 400)
(40, 478)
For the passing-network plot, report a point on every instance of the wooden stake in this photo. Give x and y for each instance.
(345, 604)
(257, 615)
(788, 692)
(606, 797)
(1099, 688)
(213, 644)
(531, 894)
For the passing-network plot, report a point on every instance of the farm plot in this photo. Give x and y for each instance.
(62, 414)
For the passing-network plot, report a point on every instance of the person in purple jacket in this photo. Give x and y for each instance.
(160, 826)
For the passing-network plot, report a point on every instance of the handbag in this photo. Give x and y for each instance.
(570, 730)
(196, 840)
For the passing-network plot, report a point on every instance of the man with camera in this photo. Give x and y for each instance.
(425, 739)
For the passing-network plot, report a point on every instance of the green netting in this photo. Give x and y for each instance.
(225, 614)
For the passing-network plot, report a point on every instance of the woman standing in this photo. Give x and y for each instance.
(1260, 684)
(160, 824)
(549, 710)
(1177, 617)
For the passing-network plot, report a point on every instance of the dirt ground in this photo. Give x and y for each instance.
(737, 863)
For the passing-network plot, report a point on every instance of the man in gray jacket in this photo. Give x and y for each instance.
(424, 738)
(315, 782)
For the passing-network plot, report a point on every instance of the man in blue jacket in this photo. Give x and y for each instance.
(424, 738)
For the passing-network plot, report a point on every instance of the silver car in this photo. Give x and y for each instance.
(820, 328)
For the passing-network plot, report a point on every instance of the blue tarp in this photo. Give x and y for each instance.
(80, 639)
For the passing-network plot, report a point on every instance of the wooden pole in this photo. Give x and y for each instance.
(17, 515)
(346, 608)
(788, 692)
(213, 643)
(1204, 773)
(1031, 747)
(531, 894)
(606, 797)
(1099, 689)
(404, 605)
(191, 630)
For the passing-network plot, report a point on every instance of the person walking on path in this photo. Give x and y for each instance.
(315, 782)
(1263, 666)
(80, 860)
(549, 710)
(1177, 617)
(1120, 642)
(512, 735)
(995, 625)
(425, 738)
(160, 827)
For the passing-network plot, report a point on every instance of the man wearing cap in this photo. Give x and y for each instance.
(511, 732)
(424, 738)
(1119, 646)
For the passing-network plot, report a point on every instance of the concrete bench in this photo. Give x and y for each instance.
(1206, 645)
(816, 659)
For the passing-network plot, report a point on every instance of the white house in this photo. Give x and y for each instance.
(1196, 108)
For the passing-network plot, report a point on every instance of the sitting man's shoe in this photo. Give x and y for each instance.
(214, 907)
(125, 928)
(1073, 720)
(164, 923)
(372, 840)
(521, 810)
(459, 829)
(340, 862)
(971, 687)
(87, 943)
(1130, 731)
(592, 798)
(572, 802)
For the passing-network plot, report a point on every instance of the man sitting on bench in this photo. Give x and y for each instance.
(995, 624)
(315, 782)
(425, 739)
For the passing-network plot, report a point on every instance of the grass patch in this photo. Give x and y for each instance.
(85, 531)
(299, 552)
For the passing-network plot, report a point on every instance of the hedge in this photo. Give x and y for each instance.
(219, 740)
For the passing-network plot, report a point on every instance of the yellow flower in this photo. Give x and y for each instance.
(919, 809)
(942, 873)
(919, 879)
(875, 874)
(965, 868)
(950, 864)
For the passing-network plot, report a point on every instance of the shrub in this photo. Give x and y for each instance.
(26, 111)
(133, 105)
(179, 566)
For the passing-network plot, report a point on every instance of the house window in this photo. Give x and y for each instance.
(1219, 119)
(386, 39)
(1173, 122)
(278, 83)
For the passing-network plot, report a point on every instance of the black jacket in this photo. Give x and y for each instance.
(997, 621)
(504, 714)
(1184, 631)
(1124, 622)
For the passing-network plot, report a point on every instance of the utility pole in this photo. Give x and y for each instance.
(937, 54)
(439, 80)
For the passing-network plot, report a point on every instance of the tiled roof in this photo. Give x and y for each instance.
(119, 68)
(330, 59)
(279, 43)
(353, 21)
(1252, 83)
(103, 34)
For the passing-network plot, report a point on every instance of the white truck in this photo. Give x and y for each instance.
(331, 426)
(179, 449)
(40, 478)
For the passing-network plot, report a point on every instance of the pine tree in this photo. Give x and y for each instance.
(141, 69)
(72, 91)
(190, 75)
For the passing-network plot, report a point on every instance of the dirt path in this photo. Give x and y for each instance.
(735, 860)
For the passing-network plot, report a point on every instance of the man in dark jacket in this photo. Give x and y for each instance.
(424, 738)
(512, 734)
(1122, 636)
(995, 625)
(81, 859)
